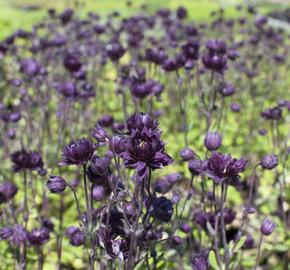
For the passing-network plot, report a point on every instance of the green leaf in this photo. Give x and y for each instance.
(240, 243)
(213, 260)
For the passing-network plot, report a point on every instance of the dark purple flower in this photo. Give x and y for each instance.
(30, 67)
(99, 193)
(226, 89)
(268, 226)
(56, 184)
(98, 171)
(106, 120)
(162, 209)
(67, 89)
(197, 166)
(223, 167)
(272, 113)
(212, 141)
(76, 236)
(38, 236)
(191, 50)
(7, 191)
(15, 117)
(72, 62)
(66, 15)
(200, 261)
(140, 122)
(118, 144)
(77, 152)
(181, 13)
(115, 51)
(166, 183)
(185, 227)
(269, 162)
(19, 235)
(24, 159)
(145, 150)
(215, 62)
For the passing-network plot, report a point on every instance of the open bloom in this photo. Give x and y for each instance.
(24, 159)
(145, 150)
(223, 167)
(77, 152)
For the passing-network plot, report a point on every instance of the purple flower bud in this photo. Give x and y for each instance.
(235, 107)
(185, 228)
(7, 191)
(15, 117)
(106, 120)
(269, 162)
(187, 154)
(212, 141)
(99, 134)
(200, 261)
(76, 236)
(99, 193)
(56, 184)
(268, 226)
(175, 241)
(72, 62)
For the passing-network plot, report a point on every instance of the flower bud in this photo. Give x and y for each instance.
(268, 226)
(186, 154)
(212, 141)
(56, 184)
(269, 162)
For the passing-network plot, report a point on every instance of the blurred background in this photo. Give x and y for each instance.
(16, 14)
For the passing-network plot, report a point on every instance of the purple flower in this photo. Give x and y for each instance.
(6, 233)
(162, 209)
(7, 191)
(56, 184)
(30, 67)
(99, 134)
(213, 140)
(140, 122)
(145, 150)
(190, 50)
(72, 62)
(268, 226)
(187, 154)
(200, 261)
(272, 113)
(24, 159)
(77, 152)
(223, 167)
(19, 235)
(115, 51)
(98, 171)
(197, 166)
(269, 162)
(76, 236)
(67, 89)
(38, 237)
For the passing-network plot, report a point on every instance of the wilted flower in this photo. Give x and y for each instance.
(268, 226)
(269, 162)
(223, 167)
(77, 152)
(162, 209)
(56, 184)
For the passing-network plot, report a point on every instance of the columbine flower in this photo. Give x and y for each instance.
(141, 121)
(145, 150)
(38, 237)
(56, 184)
(269, 162)
(162, 209)
(77, 152)
(213, 140)
(268, 226)
(76, 236)
(200, 261)
(223, 167)
(7, 191)
(24, 159)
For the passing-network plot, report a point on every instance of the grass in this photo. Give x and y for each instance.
(16, 14)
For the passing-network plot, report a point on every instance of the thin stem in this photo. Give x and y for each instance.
(76, 199)
(259, 252)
